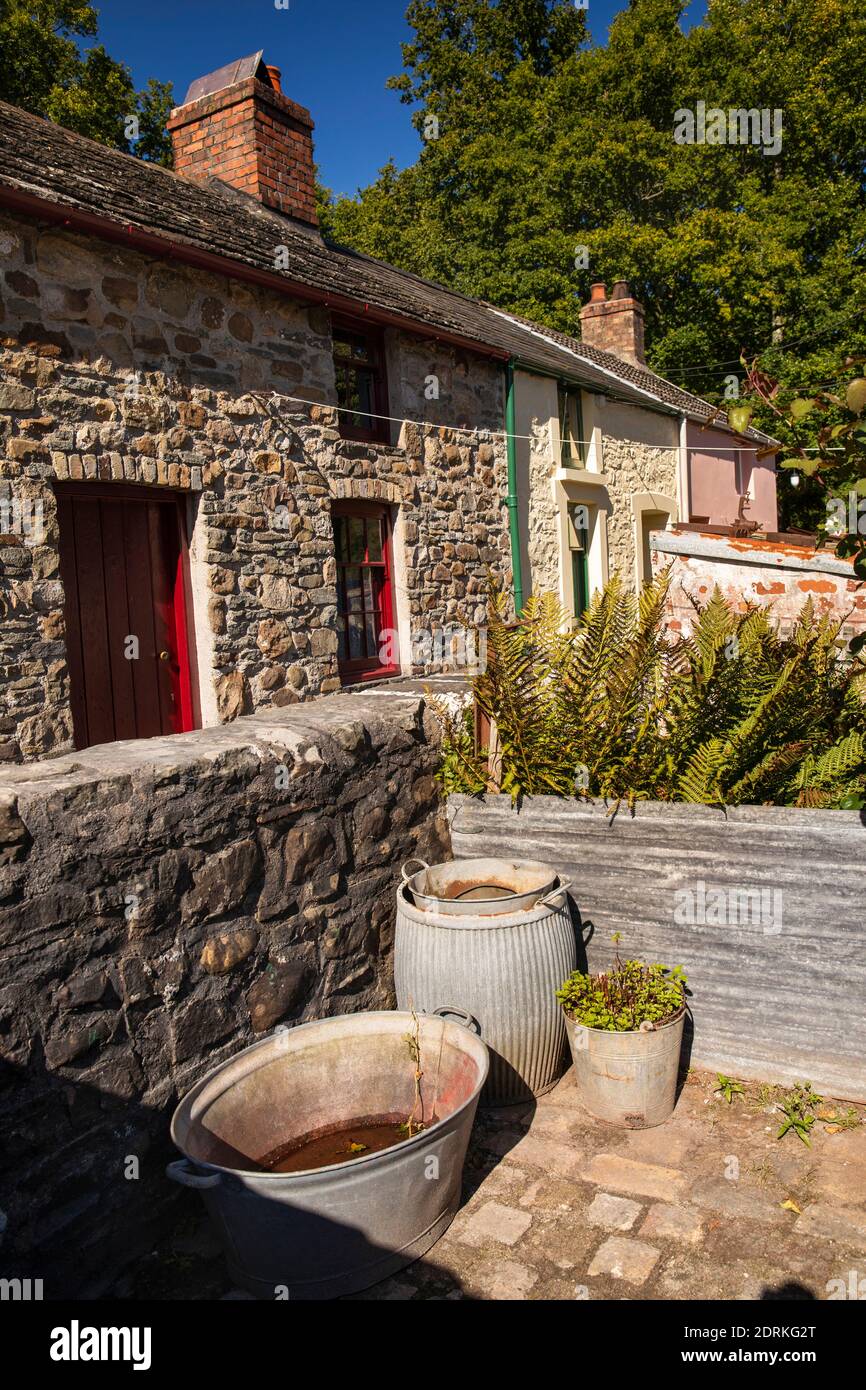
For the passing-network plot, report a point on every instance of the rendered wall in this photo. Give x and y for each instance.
(713, 488)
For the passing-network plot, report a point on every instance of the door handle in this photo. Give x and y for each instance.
(165, 656)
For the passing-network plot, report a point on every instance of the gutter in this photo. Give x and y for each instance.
(163, 248)
(511, 499)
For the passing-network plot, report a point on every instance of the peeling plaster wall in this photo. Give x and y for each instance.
(749, 572)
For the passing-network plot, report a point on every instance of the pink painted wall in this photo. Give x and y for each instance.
(713, 490)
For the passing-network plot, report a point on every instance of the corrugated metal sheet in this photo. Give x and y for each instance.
(780, 998)
(505, 972)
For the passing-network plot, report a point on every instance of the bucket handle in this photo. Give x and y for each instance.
(181, 1172)
(406, 876)
(459, 1016)
(562, 887)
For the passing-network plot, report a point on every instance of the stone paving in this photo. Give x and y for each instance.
(710, 1205)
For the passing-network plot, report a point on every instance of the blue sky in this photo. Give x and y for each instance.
(335, 57)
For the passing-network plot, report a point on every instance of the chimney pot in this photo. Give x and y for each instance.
(597, 292)
(275, 74)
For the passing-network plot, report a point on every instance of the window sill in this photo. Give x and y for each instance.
(583, 476)
(378, 673)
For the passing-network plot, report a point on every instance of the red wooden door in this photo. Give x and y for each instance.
(123, 562)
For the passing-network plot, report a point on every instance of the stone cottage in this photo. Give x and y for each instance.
(241, 466)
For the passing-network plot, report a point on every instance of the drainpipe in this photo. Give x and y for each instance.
(684, 500)
(511, 499)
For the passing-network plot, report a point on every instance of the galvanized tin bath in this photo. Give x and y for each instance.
(504, 969)
(336, 1230)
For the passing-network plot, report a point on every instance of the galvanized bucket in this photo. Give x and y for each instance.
(331, 1231)
(629, 1079)
(466, 887)
(505, 971)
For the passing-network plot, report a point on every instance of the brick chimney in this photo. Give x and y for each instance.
(236, 125)
(615, 324)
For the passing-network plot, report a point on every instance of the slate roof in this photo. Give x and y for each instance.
(67, 170)
(641, 378)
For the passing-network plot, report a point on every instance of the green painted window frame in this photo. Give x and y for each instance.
(569, 395)
(579, 565)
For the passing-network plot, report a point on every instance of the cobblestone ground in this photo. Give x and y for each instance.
(556, 1205)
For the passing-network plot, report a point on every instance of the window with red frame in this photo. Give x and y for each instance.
(362, 390)
(365, 612)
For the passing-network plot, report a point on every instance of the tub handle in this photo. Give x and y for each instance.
(459, 1016)
(180, 1171)
(562, 887)
(406, 876)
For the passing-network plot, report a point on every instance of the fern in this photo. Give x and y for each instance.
(618, 707)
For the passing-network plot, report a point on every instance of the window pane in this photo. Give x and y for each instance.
(356, 635)
(352, 347)
(354, 593)
(360, 397)
(340, 538)
(357, 543)
(360, 379)
(374, 540)
(372, 635)
(369, 597)
(341, 639)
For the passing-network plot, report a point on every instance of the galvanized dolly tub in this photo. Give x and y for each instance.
(333, 1230)
(496, 937)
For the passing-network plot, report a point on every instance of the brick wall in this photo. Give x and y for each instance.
(254, 138)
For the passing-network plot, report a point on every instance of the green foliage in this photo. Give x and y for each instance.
(43, 70)
(824, 434)
(728, 1088)
(460, 770)
(550, 139)
(619, 709)
(621, 999)
(798, 1107)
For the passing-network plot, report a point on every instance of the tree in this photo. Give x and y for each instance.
(43, 71)
(544, 143)
(825, 442)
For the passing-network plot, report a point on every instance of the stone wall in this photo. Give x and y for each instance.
(635, 452)
(537, 429)
(640, 454)
(117, 366)
(754, 572)
(162, 904)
